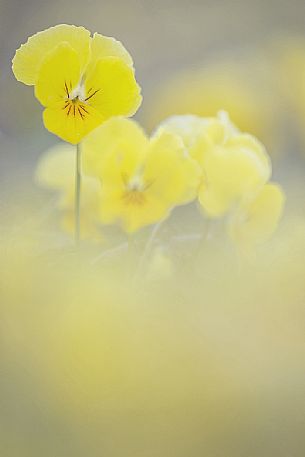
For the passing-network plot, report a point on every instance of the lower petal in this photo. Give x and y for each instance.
(72, 127)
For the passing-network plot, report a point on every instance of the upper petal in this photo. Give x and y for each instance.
(252, 145)
(187, 126)
(29, 57)
(120, 140)
(59, 73)
(104, 46)
(230, 173)
(170, 172)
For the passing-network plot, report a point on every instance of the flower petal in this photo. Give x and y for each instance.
(116, 92)
(113, 209)
(187, 126)
(120, 137)
(256, 220)
(71, 128)
(29, 57)
(230, 173)
(248, 142)
(104, 46)
(173, 174)
(154, 210)
(59, 74)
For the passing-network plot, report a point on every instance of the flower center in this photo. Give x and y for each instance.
(134, 194)
(134, 197)
(75, 108)
(78, 93)
(76, 100)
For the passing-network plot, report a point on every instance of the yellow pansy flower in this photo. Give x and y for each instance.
(55, 172)
(257, 217)
(198, 132)
(142, 178)
(80, 80)
(232, 163)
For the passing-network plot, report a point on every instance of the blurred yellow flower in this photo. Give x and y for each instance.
(232, 163)
(55, 172)
(257, 217)
(80, 80)
(142, 178)
(242, 85)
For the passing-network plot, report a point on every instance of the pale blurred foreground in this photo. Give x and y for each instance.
(192, 351)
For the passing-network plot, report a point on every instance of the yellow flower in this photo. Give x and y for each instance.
(232, 163)
(142, 178)
(55, 172)
(79, 79)
(257, 217)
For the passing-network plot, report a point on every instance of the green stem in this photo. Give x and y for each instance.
(77, 194)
